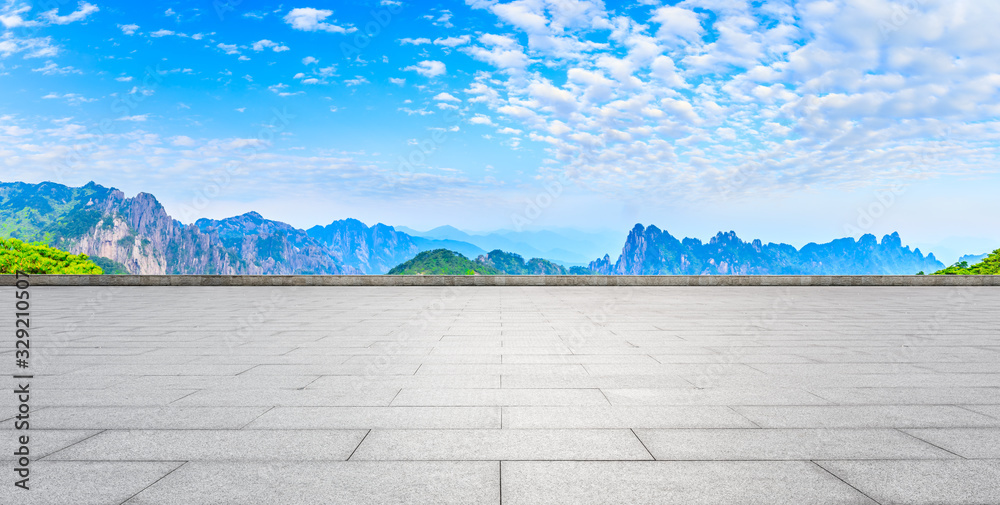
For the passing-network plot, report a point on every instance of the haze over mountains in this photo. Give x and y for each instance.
(138, 234)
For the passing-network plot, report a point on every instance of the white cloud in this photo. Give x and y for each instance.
(501, 51)
(428, 68)
(446, 97)
(11, 17)
(414, 42)
(84, 9)
(136, 119)
(678, 24)
(357, 81)
(228, 48)
(51, 68)
(397, 82)
(260, 45)
(481, 119)
(183, 141)
(162, 33)
(129, 29)
(452, 41)
(311, 20)
(309, 60)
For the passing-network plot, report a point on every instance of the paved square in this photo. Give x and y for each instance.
(510, 395)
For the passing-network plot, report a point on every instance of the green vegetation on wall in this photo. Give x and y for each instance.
(990, 265)
(39, 258)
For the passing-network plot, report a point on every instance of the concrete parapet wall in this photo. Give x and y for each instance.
(508, 280)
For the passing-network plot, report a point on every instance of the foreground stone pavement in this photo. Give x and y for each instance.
(528, 395)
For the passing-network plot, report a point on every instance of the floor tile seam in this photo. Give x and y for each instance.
(928, 442)
(359, 444)
(137, 493)
(823, 468)
(744, 416)
(636, 435)
(558, 460)
(964, 406)
(258, 416)
(57, 451)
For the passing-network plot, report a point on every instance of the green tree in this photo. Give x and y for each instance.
(38, 258)
(990, 265)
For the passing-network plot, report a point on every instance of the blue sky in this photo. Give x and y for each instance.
(788, 121)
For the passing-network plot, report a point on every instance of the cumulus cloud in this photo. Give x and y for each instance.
(312, 20)
(446, 97)
(128, 29)
(452, 41)
(862, 83)
(428, 68)
(260, 45)
(228, 48)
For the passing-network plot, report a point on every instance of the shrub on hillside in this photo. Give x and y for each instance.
(990, 265)
(38, 258)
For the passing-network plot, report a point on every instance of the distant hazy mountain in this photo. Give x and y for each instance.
(565, 246)
(650, 251)
(376, 249)
(973, 258)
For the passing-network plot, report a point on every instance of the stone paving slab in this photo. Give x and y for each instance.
(674, 482)
(867, 416)
(215, 445)
(971, 443)
(511, 395)
(459, 445)
(347, 483)
(46, 442)
(337, 418)
(965, 482)
(787, 444)
(86, 482)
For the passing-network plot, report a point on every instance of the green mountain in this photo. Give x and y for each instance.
(441, 262)
(513, 264)
(990, 265)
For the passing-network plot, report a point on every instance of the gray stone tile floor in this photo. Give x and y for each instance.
(510, 395)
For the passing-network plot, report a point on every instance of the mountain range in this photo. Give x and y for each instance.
(137, 235)
(651, 251)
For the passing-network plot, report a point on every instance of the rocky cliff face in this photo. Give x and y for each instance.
(139, 234)
(370, 250)
(651, 251)
(272, 247)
